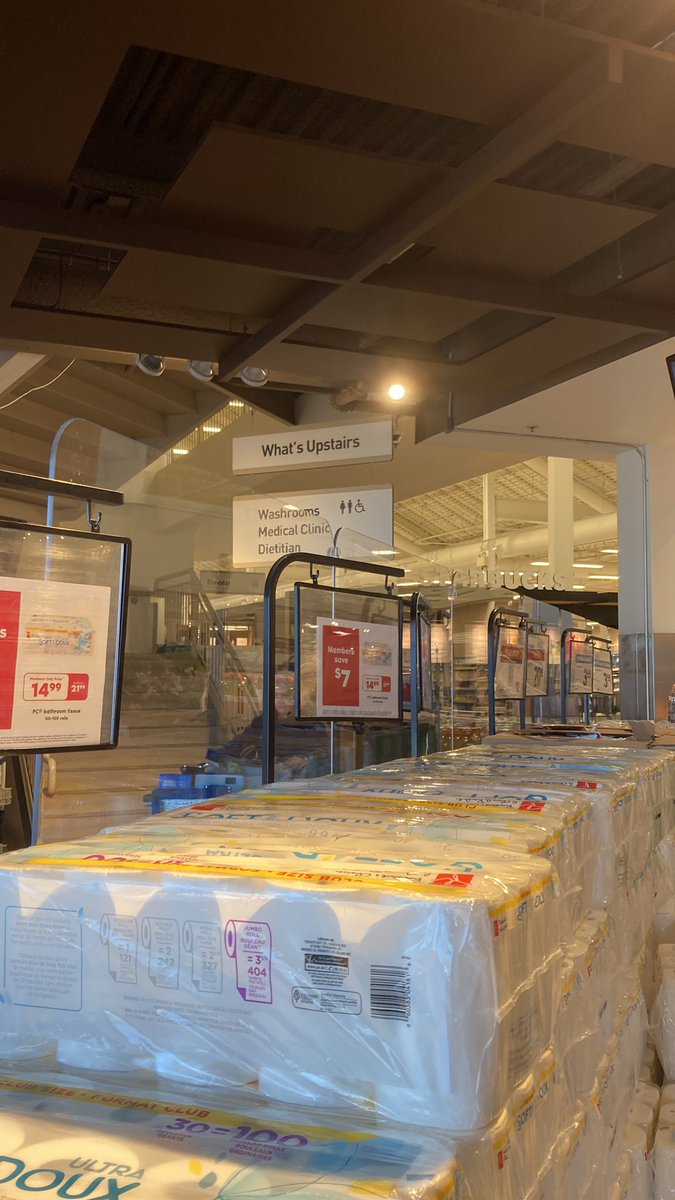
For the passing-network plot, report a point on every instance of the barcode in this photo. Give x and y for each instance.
(390, 993)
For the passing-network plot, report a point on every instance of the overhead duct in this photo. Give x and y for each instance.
(524, 542)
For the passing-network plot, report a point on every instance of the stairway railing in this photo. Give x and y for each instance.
(192, 620)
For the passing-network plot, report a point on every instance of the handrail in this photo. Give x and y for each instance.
(269, 632)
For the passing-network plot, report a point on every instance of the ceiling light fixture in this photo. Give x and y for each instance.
(579, 587)
(609, 551)
(151, 364)
(211, 428)
(179, 450)
(588, 566)
(201, 370)
(254, 376)
(539, 563)
(396, 391)
(603, 576)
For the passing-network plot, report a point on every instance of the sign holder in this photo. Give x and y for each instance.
(313, 561)
(499, 621)
(66, 590)
(359, 652)
(421, 681)
(571, 638)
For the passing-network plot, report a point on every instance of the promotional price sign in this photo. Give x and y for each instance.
(581, 668)
(538, 647)
(511, 663)
(358, 669)
(603, 679)
(63, 603)
(53, 654)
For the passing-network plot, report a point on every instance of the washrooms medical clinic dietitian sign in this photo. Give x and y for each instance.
(61, 640)
(326, 522)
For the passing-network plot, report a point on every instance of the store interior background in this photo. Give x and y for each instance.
(510, 493)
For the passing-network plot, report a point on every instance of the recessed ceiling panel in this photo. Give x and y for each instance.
(163, 281)
(527, 233)
(254, 185)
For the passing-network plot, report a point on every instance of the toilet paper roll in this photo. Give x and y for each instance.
(664, 1164)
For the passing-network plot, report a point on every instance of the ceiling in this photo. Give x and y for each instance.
(477, 199)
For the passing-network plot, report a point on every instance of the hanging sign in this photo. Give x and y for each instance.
(603, 678)
(538, 647)
(510, 663)
(53, 662)
(358, 669)
(581, 668)
(323, 446)
(266, 527)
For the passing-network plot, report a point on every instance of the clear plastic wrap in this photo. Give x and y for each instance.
(527, 826)
(664, 1164)
(78, 1140)
(322, 986)
(663, 1020)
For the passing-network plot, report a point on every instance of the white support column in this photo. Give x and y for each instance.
(561, 519)
(490, 519)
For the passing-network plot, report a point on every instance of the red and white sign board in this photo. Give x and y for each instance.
(358, 669)
(53, 651)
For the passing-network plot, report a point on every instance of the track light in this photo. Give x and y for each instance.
(203, 371)
(254, 376)
(150, 364)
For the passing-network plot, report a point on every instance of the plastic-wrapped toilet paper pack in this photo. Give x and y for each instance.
(80, 1142)
(636, 1146)
(352, 822)
(532, 935)
(353, 818)
(540, 1109)
(566, 813)
(612, 801)
(288, 961)
(663, 1021)
(663, 1159)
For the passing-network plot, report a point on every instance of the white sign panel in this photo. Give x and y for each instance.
(603, 679)
(266, 527)
(323, 446)
(538, 647)
(53, 648)
(358, 669)
(511, 663)
(581, 668)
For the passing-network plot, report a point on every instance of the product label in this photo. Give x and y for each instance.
(249, 943)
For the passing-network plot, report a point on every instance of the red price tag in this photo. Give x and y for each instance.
(10, 608)
(341, 655)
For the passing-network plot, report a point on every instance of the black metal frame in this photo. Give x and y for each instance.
(418, 610)
(270, 624)
(123, 606)
(497, 620)
(20, 481)
(585, 638)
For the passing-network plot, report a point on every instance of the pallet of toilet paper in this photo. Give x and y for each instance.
(453, 941)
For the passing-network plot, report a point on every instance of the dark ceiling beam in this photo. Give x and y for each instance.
(116, 233)
(650, 246)
(535, 129)
(522, 297)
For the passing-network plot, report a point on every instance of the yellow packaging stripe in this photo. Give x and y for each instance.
(388, 883)
(170, 1109)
